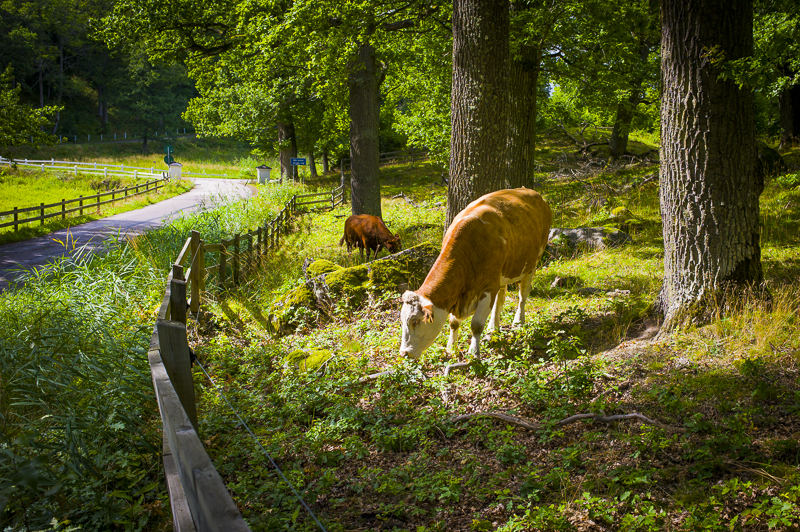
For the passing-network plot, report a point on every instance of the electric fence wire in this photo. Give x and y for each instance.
(278, 469)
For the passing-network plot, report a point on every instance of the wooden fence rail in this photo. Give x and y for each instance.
(198, 496)
(62, 210)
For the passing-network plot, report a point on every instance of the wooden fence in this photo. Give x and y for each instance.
(61, 209)
(198, 496)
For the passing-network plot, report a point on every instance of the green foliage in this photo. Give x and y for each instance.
(21, 125)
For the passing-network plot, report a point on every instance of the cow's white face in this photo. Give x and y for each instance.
(422, 322)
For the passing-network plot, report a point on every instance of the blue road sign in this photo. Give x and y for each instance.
(298, 161)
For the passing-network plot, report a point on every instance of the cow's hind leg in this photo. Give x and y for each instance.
(524, 290)
(478, 321)
(494, 321)
(452, 341)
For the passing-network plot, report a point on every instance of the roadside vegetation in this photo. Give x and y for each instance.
(81, 433)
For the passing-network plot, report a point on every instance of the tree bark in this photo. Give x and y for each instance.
(618, 142)
(287, 148)
(325, 166)
(312, 165)
(710, 179)
(789, 108)
(522, 116)
(479, 138)
(364, 80)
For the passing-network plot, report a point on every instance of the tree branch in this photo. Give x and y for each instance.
(566, 421)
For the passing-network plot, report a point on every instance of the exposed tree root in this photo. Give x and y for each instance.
(572, 419)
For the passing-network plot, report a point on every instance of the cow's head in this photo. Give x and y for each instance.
(421, 322)
(394, 245)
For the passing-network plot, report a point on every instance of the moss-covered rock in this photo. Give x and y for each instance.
(323, 292)
(307, 360)
(349, 283)
(564, 242)
(321, 266)
(297, 307)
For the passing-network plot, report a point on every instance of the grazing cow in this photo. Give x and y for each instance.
(366, 231)
(498, 239)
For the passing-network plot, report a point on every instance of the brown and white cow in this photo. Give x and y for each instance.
(496, 240)
(366, 231)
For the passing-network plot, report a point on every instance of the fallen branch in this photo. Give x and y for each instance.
(408, 200)
(572, 419)
(458, 365)
(375, 376)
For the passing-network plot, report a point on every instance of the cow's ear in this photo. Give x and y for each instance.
(427, 313)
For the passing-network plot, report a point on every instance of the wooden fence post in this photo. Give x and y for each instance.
(98, 204)
(64, 209)
(223, 260)
(236, 240)
(16, 219)
(196, 272)
(80, 202)
(177, 361)
(177, 295)
(42, 214)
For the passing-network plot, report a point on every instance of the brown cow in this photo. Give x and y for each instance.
(366, 231)
(496, 240)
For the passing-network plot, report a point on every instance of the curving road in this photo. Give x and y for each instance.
(39, 251)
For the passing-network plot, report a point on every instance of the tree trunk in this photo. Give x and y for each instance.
(522, 117)
(789, 108)
(312, 165)
(618, 143)
(710, 182)
(325, 167)
(144, 144)
(364, 82)
(287, 148)
(478, 139)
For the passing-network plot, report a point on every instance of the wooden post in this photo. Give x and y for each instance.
(196, 273)
(250, 254)
(98, 204)
(175, 355)
(16, 219)
(42, 214)
(223, 259)
(236, 240)
(80, 202)
(177, 294)
(64, 209)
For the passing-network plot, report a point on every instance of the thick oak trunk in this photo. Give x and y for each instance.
(479, 138)
(364, 82)
(710, 182)
(312, 165)
(522, 117)
(325, 164)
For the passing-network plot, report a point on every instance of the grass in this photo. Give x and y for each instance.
(388, 455)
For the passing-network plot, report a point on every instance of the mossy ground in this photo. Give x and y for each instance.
(388, 455)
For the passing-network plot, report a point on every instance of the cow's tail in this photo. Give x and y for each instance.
(341, 242)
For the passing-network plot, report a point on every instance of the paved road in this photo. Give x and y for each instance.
(39, 251)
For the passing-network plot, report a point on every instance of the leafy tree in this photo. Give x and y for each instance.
(21, 125)
(710, 182)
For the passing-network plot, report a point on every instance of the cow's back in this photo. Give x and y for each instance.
(496, 239)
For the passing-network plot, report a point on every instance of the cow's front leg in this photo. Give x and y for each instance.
(524, 290)
(452, 341)
(478, 321)
(494, 321)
